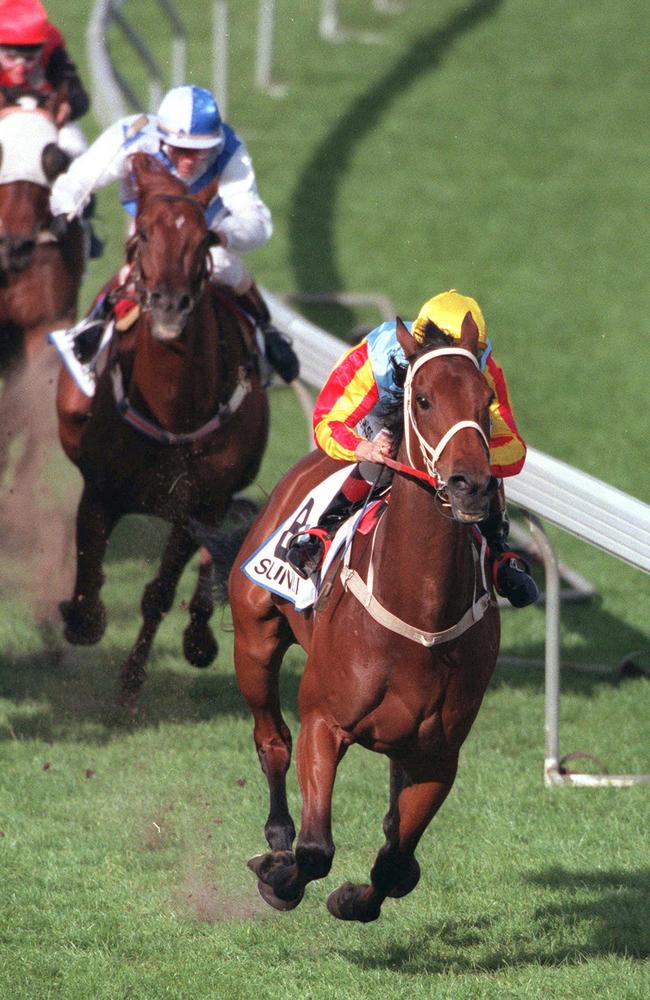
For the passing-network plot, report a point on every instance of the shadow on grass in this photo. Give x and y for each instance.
(312, 221)
(599, 914)
(70, 694)
(599, 632)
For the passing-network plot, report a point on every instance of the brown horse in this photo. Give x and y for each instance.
(399, 666)
(178, 424)
(40, 275)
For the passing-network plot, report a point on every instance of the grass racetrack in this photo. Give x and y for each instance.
(496, 146)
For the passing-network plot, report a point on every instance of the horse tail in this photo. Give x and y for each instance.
(223, 543)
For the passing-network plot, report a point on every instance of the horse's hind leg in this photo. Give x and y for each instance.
(417, 791)
(156, 601)
(199, 644)
(283, 875)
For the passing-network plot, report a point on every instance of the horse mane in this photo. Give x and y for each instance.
(391, 412)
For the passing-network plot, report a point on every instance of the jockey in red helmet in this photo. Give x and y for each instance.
(33, 57)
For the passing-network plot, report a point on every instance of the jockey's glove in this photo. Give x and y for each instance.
(59, 226)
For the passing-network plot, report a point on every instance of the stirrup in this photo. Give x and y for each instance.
(306, 551)
(512, 579)
(80, 365)
(279, 353)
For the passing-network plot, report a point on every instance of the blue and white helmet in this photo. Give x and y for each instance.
(188, 117)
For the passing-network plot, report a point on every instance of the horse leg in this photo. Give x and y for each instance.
(199, 644)
(84, 614)
(417, 792)
(283, 875)
(156, 601)
(258, 658)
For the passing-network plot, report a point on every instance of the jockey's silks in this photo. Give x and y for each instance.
(363, 379)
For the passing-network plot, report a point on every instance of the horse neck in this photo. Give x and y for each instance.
(182, 382)
(423, 566)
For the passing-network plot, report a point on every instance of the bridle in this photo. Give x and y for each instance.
(430, 454)
(136, 278)
(362, 590)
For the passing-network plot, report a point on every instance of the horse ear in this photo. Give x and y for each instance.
(205, 196)
(54, 161)
(408, 343)
(469, 334)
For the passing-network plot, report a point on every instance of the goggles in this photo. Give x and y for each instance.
(20, 53)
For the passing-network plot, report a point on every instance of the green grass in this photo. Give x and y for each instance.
(499, 147)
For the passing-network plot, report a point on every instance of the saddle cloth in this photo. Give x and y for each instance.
(268, 567)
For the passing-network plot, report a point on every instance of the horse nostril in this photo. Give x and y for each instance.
(184, 303)
(459, 484)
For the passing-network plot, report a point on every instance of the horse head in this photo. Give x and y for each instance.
(446, 417)
(30, 161)
(169, 249)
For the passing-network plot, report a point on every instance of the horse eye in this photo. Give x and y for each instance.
(423, 402)
(143, 236)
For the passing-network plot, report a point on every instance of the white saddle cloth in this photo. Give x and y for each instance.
(268, 566)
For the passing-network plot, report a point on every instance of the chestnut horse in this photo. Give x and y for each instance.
(399, 665)
(178, 424)
(40, 276)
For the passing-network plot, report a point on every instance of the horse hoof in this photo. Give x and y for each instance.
(84, 626)
(200, 653)
(267, 894)
(350, 902)
(278, 872)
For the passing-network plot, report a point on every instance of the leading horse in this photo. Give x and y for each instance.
(178, 424)
(398, 664)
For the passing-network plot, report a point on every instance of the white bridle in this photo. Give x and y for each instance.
(430, 454)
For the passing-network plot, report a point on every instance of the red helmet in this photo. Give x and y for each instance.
(23, 22)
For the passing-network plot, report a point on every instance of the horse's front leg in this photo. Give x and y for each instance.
(261, 640)
(84, 614)
(199, 643)
(156, 601)
(283, 875)
(416, 794)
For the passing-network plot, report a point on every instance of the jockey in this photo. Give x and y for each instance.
(347, 422)
(33, 57)
(188, 136)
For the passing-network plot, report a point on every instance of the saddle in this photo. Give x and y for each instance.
(268, 568)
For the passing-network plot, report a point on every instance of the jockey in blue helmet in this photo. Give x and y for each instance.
(189, 137)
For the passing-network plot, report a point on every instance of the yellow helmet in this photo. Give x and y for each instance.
(447, 311)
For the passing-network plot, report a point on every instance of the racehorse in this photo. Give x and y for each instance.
(178, 424)
(40, 275)
(398, 665)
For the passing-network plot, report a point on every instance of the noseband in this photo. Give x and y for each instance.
(430, 455)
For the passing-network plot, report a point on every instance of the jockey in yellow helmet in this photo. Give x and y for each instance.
(347, 426)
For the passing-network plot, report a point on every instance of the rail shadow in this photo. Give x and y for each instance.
(311, 220)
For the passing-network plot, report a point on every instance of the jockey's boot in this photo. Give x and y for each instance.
(277, 347)
(510, 571)
(307, 550)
